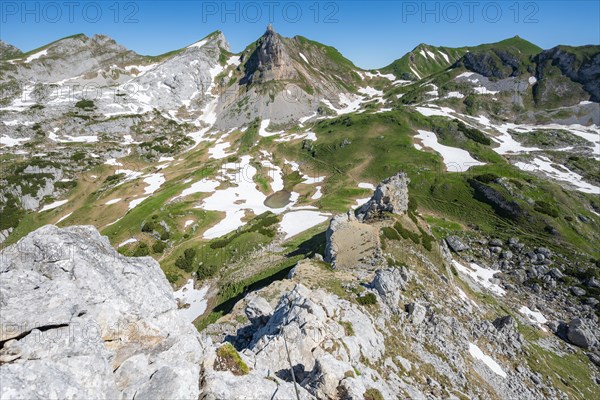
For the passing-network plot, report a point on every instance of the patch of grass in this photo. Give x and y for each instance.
(568, 372)
(86, 105)
(228, 359)
(348, 329)
(546, 208)
(390, 233)
(367, 299)
(373, 394)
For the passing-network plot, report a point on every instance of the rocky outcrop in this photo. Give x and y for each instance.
(389, 283)
(79, 320)
(269, 61)
(496, 63)
(335, 224)
(502, 206)
(391, 196)
(8, 51)
(581, 65)
(580, 334)
(318, 336)
(352, 244)
(456, 244)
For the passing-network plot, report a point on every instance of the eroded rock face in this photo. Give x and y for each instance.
(323, 336)
(79, 320)
(390, 196)
(351, 243)
(580, 334)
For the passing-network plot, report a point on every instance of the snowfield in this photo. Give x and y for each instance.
(113, 201)
(546, 166)
(236, 200)
(535, 317)
(262, 131)
(480, 275)
(456, 160)
(54, 205)
(196, 298)
(476, 352)
(294, 222)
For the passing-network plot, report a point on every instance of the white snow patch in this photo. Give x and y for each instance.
(436, 110)
(53, 205)
(456, 160)
(113, 161)
(466, 298)
(360, 202)
(532, 80)
(455, 95)
(476, 352)
(415, 73)
(276, 175)
(188, 223)
(64, 217)
(351, 102)
(481, 275)
(134, 203)
(534, 316)
(445, 56)
(235, 200)
(11, 142)
(126, 242)
(73, 139)
(196, 298)
(233, 60)
(198, 44)
(202, 186)
(484, 90)
(366, 185)
(318, 194)
(113, 201)
(369, 91)
(154, 182)
(37, 55)
(544, 164)
(295, 222)
(262, 131)
(218, 151)
(465, 75)
(304, 58)
(378, 74)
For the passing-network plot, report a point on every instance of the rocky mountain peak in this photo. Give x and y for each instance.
(8, 50)
(269, 60)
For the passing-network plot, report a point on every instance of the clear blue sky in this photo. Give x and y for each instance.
(371, 34)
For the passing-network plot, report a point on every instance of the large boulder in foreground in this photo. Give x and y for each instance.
(391, 196)
(79, 320)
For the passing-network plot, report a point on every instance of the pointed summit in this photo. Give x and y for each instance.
(269, 60)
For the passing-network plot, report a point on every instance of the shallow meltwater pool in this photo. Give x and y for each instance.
(278, 199)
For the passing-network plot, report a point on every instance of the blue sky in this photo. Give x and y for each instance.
(371, 34)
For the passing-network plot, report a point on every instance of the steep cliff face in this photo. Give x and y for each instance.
(581, 65)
